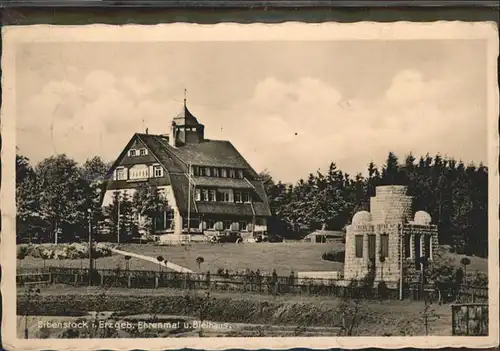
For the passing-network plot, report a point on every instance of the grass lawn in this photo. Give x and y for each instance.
(284, 257)
(476, 263)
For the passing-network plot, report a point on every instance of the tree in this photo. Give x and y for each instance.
(119, 217)
(350, 309)
(465, 261)
(63, 195)
(149, 204)
(27, 204)
(94, 172)
(391, 173)
(199, 261)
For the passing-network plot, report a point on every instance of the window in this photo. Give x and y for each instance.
(143, 152)
(132, 153)
(139, 172)
(224, 173)
(193, 129)
(158, 171)
(384, 245)
(207, 171)
(245, 197)
(243, 225)
(227, 225)
(371, 246)
(197, 194)
(210, 224)
(407, 246)
(232, 173)
(211, 195)
(216, 172)
(358, 245)
(193, 171)
(121, 174)
(240, 173)
(204, 195)
(225, 195)
(237, 196)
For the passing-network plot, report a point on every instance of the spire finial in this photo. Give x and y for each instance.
(185, 96)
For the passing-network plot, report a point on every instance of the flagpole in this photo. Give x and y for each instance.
(118, 223)
(189, 200)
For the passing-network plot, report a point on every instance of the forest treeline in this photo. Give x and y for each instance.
(455, 195)
(57, 193)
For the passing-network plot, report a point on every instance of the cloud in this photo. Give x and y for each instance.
(299, 127)
(96, 116)
(289, 127)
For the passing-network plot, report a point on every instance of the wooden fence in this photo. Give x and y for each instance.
(470, 319)
(140, 279)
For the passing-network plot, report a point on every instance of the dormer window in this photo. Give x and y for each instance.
(232, 173)
(216, 172)
(158, 171)
(143, 152)
(132, 153)
(240, 173)
(224, 173)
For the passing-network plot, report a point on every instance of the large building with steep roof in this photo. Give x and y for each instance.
(207, 183)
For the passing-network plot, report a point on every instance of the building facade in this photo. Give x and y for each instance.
(387, 235)
(209, 185)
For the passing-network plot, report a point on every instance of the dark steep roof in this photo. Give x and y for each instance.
(155, 143)
(216, 153)
(180, 188)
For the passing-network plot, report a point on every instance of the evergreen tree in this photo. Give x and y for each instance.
(149, 204)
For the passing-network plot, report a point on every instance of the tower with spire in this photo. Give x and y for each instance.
(185, 128)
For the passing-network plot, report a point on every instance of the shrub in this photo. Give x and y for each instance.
(479, 279)
(22, 252)
(63, 251)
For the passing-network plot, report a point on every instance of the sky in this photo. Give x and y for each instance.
(289, 107)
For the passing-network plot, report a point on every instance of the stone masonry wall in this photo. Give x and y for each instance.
(391, 205)
(357, 268)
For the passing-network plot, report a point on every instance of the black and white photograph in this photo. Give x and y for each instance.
(180, 182)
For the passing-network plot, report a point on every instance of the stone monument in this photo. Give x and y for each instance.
(387, 235)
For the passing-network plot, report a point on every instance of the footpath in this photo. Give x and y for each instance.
(167, 264)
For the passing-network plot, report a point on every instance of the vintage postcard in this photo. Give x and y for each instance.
(250, 186)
